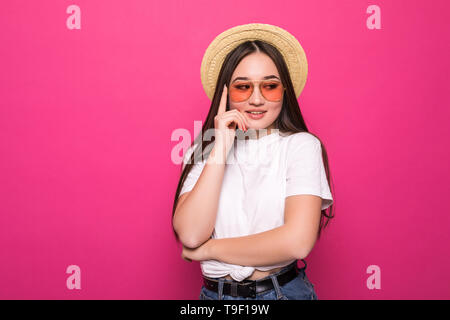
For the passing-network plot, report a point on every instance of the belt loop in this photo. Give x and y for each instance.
(221, 281)
(276, 286)
(234, 291)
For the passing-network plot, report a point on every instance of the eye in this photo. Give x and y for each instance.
(242, 86)
(272, 85)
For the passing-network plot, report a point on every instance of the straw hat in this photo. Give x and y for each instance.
(286, 43)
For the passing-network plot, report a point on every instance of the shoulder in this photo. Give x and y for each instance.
(303, 150)
(188, 154)
(299, 139)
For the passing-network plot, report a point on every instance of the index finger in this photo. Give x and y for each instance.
(223, 101)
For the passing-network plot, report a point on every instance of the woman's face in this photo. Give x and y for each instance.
(256, 66)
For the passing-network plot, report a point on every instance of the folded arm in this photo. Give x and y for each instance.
(293, 240)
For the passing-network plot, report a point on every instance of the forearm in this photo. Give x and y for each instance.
(266, 248)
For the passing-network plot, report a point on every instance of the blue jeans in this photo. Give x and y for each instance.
(299, 288)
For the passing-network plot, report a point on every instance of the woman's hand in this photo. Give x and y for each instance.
(198, 254)
(226, 123)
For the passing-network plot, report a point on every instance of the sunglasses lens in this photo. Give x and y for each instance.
(272, 90)
(241, 91)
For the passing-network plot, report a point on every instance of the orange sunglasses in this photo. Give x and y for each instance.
(271, 90)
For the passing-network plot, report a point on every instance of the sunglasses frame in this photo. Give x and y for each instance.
(253, 89)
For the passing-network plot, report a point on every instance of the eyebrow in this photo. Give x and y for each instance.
(265, 78)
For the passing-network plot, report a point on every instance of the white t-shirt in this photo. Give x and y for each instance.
(259, 175)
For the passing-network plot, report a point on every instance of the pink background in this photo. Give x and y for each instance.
(87, 115)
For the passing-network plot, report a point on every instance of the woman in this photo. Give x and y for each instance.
(252, 198)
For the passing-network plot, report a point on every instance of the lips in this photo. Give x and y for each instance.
(249, 111)
(256, 116)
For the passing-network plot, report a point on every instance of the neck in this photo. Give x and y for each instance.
(264, 133)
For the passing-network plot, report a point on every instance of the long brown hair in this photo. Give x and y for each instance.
(290, 119)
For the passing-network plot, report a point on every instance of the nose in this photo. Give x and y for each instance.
(256, 98)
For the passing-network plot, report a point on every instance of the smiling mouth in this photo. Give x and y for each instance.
(255, 115)
(256, 112)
